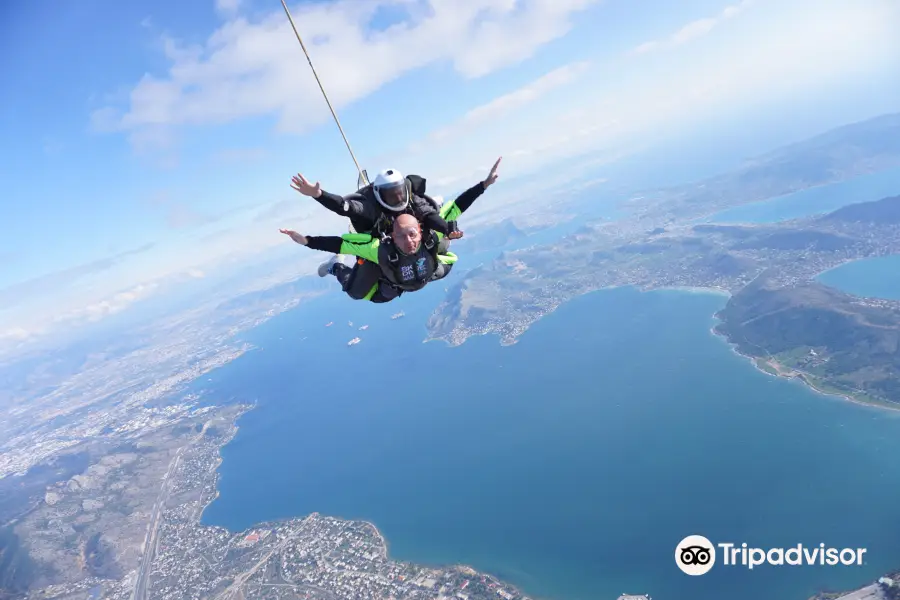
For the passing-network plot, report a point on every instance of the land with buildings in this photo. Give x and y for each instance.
(128, 526)
(107, 460)
(777, 313)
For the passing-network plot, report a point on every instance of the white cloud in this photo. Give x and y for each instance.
(694, 29)
(117, 303)
(250, 68)
(202, 252)
(258, 67)
(155, 273)
(771, 59)
(646, 47)
(504, 105)
(72, 310)
(227, 7)
(15, 334)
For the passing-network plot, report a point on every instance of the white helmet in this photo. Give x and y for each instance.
(390, 190)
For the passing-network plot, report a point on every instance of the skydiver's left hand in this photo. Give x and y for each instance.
(492, 176)
(297, 237)
(302, 185)
(454, 235)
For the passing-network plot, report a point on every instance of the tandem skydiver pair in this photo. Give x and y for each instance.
(401, 235)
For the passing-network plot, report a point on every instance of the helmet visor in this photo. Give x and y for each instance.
(394, 194)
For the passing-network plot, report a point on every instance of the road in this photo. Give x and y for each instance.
(239, 580)
(143, 577)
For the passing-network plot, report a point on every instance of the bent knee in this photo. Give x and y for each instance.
(357, 293)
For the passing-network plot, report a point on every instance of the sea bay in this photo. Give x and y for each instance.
(571, 463)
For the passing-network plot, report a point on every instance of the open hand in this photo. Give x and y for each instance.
(492, 176)
(297, 237)
(300, 183)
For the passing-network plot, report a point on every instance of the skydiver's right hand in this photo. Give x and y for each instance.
(454, 235)
(300, 183)
(297, 237)
(492, 176)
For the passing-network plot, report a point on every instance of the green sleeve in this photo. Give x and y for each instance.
(450, 212)
(362, 245)
(448, 258)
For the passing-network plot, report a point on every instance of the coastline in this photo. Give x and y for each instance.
(243, 409)
(797, 375)
(509, 340)
(384, 549)
(715, 291)
(383, 542)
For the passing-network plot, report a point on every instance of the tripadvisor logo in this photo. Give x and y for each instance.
(696, 555)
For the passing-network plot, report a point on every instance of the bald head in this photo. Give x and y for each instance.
(405, 220)
(407, 233)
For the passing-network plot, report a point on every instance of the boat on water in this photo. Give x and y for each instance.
(355, 340)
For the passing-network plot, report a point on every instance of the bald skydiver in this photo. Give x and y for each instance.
(408, 260)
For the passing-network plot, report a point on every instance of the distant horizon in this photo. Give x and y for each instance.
(176, 156)
(296, 262)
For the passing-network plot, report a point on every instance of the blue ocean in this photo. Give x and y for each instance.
(571, 463)
(815, 200)
(877, 277)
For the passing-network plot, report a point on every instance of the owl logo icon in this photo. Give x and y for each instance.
(695, 555)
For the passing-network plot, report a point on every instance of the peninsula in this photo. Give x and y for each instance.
(777, 313)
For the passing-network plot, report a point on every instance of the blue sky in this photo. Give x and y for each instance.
(145, 141)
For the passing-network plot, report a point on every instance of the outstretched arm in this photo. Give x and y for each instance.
(452, 210)
(444, 221)
(351, 206)
(362, 245)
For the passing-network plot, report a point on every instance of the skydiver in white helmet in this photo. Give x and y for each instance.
(373, 208)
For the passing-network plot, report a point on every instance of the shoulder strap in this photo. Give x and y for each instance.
(383, 225)
(430, 241)
(390, 250)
